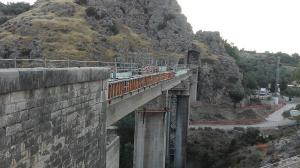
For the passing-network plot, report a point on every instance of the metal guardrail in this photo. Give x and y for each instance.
(13, 63)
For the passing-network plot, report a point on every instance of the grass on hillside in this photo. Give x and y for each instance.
(58, 25)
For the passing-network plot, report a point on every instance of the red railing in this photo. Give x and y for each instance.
(119, 88)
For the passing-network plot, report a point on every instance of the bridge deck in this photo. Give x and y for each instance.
(129, 96)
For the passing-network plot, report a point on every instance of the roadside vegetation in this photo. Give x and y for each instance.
(259, 69)
(240, 148)
(126, 133)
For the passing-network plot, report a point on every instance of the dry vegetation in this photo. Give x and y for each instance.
(206, 56)
(58, 26)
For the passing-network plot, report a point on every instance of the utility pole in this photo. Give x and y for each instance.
(115, 69)
(277, 76)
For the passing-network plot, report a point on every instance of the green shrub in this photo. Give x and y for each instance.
(255, 100)
(114, 29)
(233, 79)
(126, 133)
(236, 95)
(208, 60)
(3, 20)
(15, 8)
(81, 2)
(292, 92)
(286, 114)
(162, 26)
(91, 12)
(169, 17)
(297, 107)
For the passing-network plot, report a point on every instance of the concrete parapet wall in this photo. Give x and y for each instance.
(52, 117)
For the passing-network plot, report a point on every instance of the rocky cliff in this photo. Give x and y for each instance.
(219, 73)
(160, 20)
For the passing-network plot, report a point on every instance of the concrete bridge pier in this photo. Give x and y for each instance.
(182, 113)
(182, 93)
(194, 84)
(150, 135)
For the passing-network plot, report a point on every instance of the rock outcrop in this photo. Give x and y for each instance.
(219, 73)
(160, 20)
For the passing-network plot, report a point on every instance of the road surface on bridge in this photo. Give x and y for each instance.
(272, 121)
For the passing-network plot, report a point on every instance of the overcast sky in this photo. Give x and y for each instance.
(261, 25)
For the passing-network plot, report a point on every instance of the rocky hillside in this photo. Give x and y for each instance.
(219, 73)
(159, 20)
(97, 30)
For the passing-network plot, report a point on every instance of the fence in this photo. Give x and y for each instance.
(31, 63)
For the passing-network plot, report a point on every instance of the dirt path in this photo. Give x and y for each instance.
(272, 121)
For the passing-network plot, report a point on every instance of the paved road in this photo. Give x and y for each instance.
(272, 121)
(277, 115)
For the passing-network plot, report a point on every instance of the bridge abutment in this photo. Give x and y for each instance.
(53, 117)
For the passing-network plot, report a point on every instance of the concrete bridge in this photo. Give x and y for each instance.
(58, 117)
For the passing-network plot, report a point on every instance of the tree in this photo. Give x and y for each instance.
(14, 8)
(126, 128)
(283, 85)
(273, 86)
(232, 50)
(250, 82)
(296, 55)
(296, 74)
(236, 96)
(91, 12)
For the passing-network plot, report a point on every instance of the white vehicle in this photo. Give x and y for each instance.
(263, 92)
(295, 113)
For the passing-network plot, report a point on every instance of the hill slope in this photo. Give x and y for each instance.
(62, 29)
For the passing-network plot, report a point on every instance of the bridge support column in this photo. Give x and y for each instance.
(194, 85)
(150, 135)
(182, 112)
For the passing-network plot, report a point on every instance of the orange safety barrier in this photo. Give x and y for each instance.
(262, 147)
(119, 88)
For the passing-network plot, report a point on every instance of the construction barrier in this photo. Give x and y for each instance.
(121, 87)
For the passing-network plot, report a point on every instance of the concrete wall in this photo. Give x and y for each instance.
(52, 118)
(113, 153)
